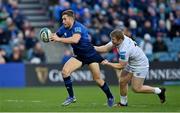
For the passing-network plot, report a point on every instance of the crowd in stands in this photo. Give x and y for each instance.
(154, 24)
(18, 41)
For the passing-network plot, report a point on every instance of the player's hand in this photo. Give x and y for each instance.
(54, 37)
(105, 62)
(95, 47)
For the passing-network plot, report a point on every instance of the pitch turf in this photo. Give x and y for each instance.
(89, 99)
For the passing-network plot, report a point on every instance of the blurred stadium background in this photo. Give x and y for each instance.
(26, 62)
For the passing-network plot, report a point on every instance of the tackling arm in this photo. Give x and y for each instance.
(104, 48)
(119, 65)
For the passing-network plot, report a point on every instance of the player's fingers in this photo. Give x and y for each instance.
(52, 34)
(104, 62)
(51, 39)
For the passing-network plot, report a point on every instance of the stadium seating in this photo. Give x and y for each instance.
(163, 56)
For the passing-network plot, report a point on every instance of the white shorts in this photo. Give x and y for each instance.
(140, 72)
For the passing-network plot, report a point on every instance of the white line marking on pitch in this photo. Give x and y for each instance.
(34, 101)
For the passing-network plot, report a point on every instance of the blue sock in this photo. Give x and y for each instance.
(68, 84)
(106, 90)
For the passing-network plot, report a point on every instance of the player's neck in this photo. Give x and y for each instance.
(72, 24)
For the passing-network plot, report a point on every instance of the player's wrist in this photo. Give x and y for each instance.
(109, 63)
(59, 39)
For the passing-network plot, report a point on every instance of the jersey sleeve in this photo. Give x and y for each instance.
(60, 31)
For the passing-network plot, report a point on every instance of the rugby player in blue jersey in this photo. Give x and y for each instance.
(74, 33)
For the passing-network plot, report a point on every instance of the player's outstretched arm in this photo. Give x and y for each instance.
(70, 40)
(104, 49)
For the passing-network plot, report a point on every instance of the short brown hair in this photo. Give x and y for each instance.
(69, 13)
(117, 33)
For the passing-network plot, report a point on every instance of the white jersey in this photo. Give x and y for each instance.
(131, 53)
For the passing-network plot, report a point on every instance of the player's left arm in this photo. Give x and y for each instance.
(71, 40)
(123, 60)
(119, 65)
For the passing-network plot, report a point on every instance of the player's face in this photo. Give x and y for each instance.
(67, 21)
(116, 42)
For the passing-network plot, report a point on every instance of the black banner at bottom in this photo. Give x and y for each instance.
(50, 74)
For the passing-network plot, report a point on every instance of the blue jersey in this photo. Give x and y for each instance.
(83, 48)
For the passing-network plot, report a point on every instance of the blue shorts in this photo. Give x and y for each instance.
(95, 58)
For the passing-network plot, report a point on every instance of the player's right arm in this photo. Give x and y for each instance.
(70, 40)
(104, 48)
(55, 37)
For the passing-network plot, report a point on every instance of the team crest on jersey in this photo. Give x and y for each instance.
(77, 29)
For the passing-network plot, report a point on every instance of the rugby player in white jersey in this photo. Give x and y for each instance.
(134, 65)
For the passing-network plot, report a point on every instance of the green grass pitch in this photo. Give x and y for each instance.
(89, 99)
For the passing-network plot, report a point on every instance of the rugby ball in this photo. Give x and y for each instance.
(44, 34)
